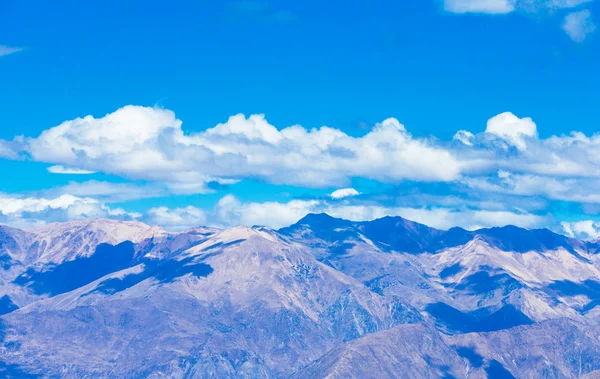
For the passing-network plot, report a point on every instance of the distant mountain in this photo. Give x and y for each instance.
(401, 235)
(59, 242)
(324, 297)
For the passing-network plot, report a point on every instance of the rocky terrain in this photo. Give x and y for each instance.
(324, 297)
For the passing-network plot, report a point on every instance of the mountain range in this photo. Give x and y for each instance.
(323, 298)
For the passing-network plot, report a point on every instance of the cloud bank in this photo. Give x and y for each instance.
(503, 174)
(149, 144)
(29, 212)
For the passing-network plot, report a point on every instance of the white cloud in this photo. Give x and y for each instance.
(586, 230)
(563, 168)
(230, 211)
(571, 157)
(578, 25)
(579, 190)
(25, 212)
(508, 6)
(175, 219)
(479, 6)
(344, 192)
(512, 129)
(7, 50)
(444, 218)
(464, 137)
(58, 169)
(149, 144)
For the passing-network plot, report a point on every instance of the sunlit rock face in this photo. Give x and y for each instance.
(324, 297)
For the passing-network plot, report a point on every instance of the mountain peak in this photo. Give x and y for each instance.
(313, 218)
(317, 221)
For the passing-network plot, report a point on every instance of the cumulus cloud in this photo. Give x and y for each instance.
(150, 144)
(566, 156)
(7, 50)
(515, 131)
(507, 161)
(578, 25)
(344, 192)
(510, 158)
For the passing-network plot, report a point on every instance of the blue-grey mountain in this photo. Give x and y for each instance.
(323, 298)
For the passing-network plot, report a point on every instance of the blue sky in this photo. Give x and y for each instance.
(169, 75)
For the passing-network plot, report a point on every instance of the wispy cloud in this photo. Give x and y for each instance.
(479, 6)
(578, 25)
(7, 50)
(509, 6)
(58, 169)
